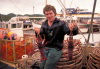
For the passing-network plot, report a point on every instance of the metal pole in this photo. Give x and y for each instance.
(91, 25)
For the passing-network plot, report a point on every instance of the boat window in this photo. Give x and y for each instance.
(3, 26)
(25, 26)
(19, 25)
(6, 25)
(68, 21)
(0, 25)
(13, 26)
(30, 26)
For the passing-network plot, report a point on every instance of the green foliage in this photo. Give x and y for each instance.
(6, 17)
(9, 16)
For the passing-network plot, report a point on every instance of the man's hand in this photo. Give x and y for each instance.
(37, 30)
(72, 26)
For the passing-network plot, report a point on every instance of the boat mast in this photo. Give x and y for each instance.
(91, 25)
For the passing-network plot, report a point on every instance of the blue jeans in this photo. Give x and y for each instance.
(53, 55)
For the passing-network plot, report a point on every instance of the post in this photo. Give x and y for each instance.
(91, 25)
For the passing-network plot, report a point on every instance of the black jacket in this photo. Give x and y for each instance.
(54, 35)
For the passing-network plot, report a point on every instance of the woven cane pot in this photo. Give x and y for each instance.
(76, 62)
(94, 59)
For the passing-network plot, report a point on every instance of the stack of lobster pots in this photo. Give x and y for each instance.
(13, 50)
(94, 59)
(76, 62)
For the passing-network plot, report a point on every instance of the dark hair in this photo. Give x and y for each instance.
(49, 8)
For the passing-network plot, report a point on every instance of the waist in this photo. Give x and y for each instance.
(58, 47)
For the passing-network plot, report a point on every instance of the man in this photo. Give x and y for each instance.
(53, 31)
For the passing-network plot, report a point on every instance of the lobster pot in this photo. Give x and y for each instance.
(94, 59)
(76, 61)
(12, 50)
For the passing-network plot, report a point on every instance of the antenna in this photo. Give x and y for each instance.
(33, 9)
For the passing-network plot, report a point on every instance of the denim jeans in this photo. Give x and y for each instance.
(53, 55)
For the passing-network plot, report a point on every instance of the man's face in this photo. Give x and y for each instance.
(50, 15)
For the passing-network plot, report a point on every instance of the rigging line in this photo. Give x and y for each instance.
(82, 35)
(59, 3)
(71, 18)
(70, 7)
(62, 5)
(63, 8)
(79, 28)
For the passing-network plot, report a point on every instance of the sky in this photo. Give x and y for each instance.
(36, 6)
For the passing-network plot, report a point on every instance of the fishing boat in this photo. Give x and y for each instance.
(20, 53)
(13, 50)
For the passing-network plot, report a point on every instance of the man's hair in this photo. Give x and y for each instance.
(49, 8)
